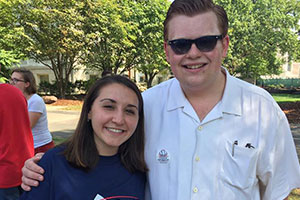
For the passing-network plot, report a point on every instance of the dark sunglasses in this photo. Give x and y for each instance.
(204, 44)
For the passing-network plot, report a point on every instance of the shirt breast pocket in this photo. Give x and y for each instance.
(239, 166)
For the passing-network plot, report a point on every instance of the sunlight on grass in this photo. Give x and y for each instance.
(295, 195)
(57, 139)
(72, 107)
(286, 97)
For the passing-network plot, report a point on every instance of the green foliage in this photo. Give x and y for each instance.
(47, 88)
(84, 86)
(125, 34)
(10, 31)
(110, 36)
(10, 51)
(275, 86)
(7, 60)
(290, 83)
(79, 87)
(261, 31)
(150, 15)
(52, 35)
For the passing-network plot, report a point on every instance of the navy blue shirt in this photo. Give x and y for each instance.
(109, 179)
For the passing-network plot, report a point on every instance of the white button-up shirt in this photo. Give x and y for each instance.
(242, 146)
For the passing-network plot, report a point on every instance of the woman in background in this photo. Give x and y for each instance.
(24, 80)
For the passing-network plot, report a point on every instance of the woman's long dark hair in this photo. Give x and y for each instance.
(81, 150)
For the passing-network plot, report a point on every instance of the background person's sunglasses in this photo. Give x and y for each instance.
(204, 44)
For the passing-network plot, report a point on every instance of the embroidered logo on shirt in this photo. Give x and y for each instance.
(163, 156)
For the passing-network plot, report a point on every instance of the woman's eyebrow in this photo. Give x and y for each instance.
(108, 99)
(114, 101)
(133, 106)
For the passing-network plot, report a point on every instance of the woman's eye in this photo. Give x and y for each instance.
(108, 106)
(130, 111)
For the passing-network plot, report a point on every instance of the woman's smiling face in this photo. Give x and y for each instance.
(114, 117)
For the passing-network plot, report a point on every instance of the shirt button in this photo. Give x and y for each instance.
(197, 158)
(195, 190)
(200, 128)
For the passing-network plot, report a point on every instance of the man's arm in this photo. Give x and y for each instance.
(32, 173)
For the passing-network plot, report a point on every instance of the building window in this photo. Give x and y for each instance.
(142, 78)
(289, 66)
(43, 78)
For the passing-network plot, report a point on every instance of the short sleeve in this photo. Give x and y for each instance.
(279, 170)
(36, 104)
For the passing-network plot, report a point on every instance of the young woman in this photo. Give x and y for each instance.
(23, 79)
(104, 159)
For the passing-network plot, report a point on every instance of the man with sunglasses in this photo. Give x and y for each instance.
(210, 135)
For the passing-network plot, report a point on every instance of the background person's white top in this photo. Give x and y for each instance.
(40, 132)
(190, 159)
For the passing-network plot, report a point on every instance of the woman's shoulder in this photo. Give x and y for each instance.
(54, 153)
(36, 104)
(36, 97)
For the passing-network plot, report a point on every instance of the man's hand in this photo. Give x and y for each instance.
(32, 173)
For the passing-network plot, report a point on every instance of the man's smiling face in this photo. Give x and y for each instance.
(196, 69)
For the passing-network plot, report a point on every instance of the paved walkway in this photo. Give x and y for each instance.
(62, 124)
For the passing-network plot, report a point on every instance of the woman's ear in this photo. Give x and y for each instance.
(27, 84)
(89, 116)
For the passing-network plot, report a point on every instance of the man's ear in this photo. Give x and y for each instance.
(225, 44)
(166, 51)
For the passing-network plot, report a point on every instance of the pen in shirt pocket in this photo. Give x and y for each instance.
(233, 146)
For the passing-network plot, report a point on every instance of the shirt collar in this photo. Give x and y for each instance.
(230, 103)
(176, 96)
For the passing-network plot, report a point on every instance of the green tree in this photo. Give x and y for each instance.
(150, 16)
(125, 34)
(110, 32)
(7, 60)
(53, 35)
(261, 32)
(10, 50)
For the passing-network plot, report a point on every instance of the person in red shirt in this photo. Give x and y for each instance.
(16, 144)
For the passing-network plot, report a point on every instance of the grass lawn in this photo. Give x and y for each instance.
(57, 139)
(295, 195)
(286, 97)
(72, 107)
